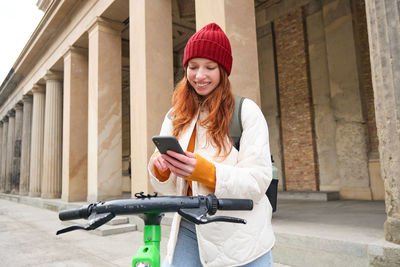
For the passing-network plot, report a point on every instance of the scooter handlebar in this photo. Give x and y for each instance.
(73, 214)
(192, 208)
(235, 204)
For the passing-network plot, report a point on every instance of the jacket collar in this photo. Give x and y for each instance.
(185, 137)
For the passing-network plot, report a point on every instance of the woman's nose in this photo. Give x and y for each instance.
(200, 73)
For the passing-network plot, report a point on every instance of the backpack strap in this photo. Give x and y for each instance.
(235, 127)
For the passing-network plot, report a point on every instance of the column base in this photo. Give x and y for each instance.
(50, 195)
(34, 194)
(73, 198)
(15, 192)
(356, 193)
(392, 229)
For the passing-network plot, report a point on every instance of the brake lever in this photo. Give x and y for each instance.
(198, 216)
(95, 221)
(226, 219)
(73, 227)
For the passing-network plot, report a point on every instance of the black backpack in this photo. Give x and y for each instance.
(235, 131)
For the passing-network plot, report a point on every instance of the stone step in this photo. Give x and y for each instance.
(50, 204)
(106, 230)
(316, 196)
(118, 221)
(298, 250)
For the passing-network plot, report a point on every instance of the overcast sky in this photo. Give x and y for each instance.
(18, 20)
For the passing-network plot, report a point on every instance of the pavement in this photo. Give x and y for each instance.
(28, 238)
(308, 233)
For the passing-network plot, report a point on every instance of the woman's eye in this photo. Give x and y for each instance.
(192, 67)
(211, 68)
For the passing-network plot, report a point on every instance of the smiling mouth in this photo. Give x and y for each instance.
(202, 84)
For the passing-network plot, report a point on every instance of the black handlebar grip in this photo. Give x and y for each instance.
(73, 214)
(235, 204)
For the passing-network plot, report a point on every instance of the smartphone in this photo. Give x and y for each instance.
(165, 143)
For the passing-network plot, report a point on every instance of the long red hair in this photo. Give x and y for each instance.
(219, 103)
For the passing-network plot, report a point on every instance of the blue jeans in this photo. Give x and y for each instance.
(187, 250)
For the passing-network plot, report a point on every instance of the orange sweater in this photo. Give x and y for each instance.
(204, 171)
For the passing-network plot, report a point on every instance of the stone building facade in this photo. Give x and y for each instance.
(94, 81)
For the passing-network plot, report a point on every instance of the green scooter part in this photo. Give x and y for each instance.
(148, 255)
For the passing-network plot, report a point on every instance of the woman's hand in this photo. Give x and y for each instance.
(180, 165)
(160, 163)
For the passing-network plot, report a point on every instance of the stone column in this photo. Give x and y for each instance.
(10, 149)
(104, 111)
(237, 19)
(269, 95)
(17, 150)
(150, 53)
(324, 119)
(26, 145)
(37, 141)
(3, 170)
(384, 38)
(1, 147)
(52, 142)
(75, 125)
(351, 135)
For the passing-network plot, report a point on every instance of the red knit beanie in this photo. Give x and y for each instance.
(212, 43)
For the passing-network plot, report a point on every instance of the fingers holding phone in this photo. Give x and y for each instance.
(180, 165)
(160, 163)
(179, 162)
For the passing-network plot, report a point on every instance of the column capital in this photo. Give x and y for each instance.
(76, 49)
(53, 75)
(18, 106)
(38, 88)
(11, 113)
(5, 119)
(27, 98)
(106, 25)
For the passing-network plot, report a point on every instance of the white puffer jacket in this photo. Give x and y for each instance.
(244, 174)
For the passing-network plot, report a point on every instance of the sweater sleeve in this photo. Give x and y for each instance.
(162, 176)
(204, 172)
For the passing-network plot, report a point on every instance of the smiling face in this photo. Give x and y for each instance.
(203, 75)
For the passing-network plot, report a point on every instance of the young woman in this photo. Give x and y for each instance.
(202, 110)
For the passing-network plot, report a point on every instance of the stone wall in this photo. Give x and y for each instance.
(324, 126)
(351, 133)
(295, 103)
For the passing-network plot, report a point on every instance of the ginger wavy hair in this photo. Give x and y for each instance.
(219, 103)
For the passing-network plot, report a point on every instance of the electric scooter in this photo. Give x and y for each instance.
(151, 209)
